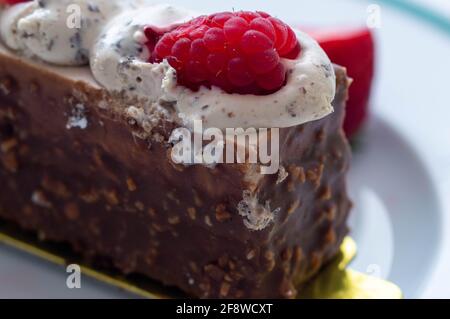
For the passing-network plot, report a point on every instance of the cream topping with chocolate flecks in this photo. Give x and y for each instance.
(108, 36)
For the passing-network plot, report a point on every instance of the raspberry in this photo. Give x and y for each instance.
(11, 2)
(239, 52)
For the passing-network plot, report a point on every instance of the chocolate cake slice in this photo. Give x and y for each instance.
(86, 152)
(77, 173)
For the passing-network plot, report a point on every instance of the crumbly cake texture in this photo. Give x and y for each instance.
(102, 181)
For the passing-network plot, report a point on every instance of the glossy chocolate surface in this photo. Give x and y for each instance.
(118, 199)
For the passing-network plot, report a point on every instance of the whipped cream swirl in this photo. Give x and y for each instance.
(108, 35)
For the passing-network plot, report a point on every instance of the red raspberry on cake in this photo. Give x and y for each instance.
(239, 52)
(11, 2)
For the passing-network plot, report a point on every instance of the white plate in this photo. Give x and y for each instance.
(400, 174)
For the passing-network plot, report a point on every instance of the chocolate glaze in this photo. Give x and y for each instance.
(116, 196)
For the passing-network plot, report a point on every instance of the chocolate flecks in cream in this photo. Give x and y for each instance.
(111, 40)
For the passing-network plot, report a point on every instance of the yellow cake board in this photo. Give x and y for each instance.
(335, 281)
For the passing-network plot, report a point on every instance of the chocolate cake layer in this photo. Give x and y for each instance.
(76, 172)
